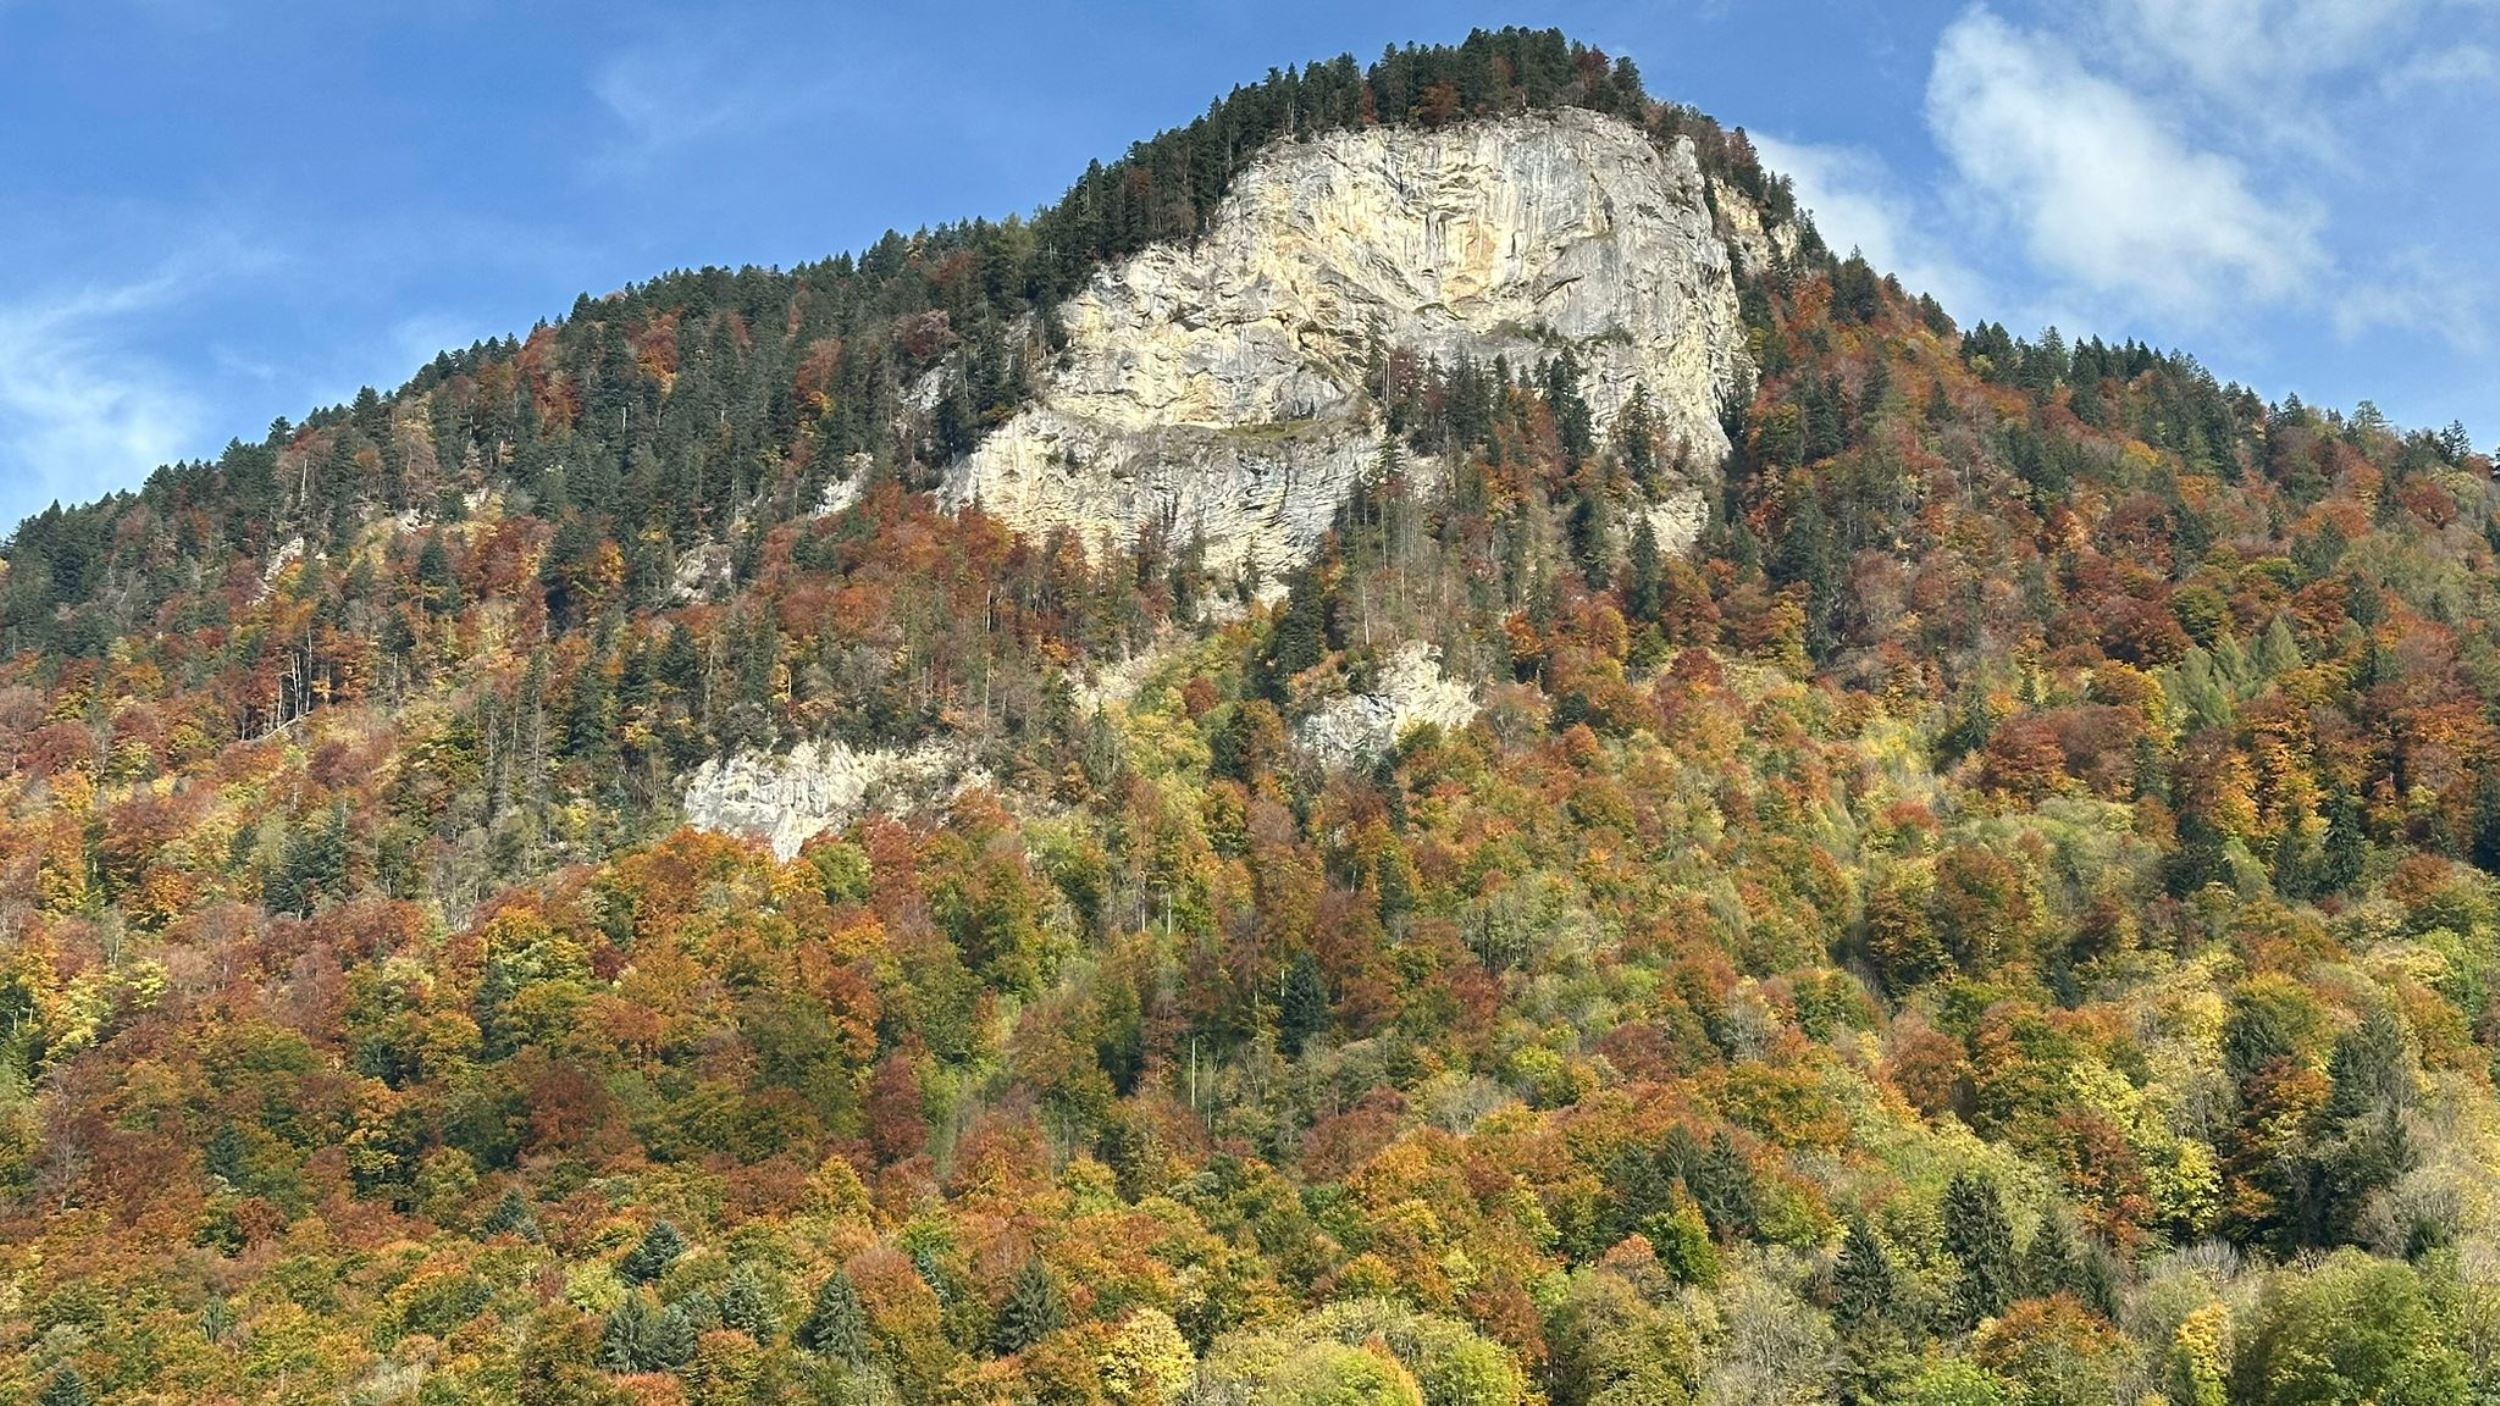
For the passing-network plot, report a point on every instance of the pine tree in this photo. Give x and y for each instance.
(1033, 1310)
(650, 1259)
(66, 1388)
(2050, 1263)
(674, 1337)
(1680, 1236)
(1722, 1181)
(746, 1307)
(1645, 579)
(1303, 1010)
(837, 1327)
(2483, 845)
(1636, 440)
(512, 1216)
(1865, 1290)
(1573, 426)
(1981, 1239)
(2346, 849)
(1808, 555)
(640, 1336)
(438, 584)
(2359, 1146)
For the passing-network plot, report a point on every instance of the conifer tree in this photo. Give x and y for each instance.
(512, 1216)
(640, 1336)
(2050, 1262)
(1865, 1290)
(1980, 1239)
(745, 1306)
(1033, 1310)
(1303, 1009)
(67, 1388)
(837, 1326)
(650, 1259)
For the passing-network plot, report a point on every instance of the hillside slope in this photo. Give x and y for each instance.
(2008, 916)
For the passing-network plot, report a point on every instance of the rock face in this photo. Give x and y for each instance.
(1218, 390)
(1411, 690)
(788, 799)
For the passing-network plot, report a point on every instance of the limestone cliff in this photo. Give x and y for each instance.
(788, 799)
(1410, 690)
(1218, 389)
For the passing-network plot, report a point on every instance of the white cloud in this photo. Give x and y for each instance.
(2466, 65)
(684, 89)
(1857, 203)
(2103, 193)
(2420, 293)
(2288, 75)
(74, 410)
(2249, 50)
(665, 97)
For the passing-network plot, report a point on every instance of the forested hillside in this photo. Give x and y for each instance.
(2011, 919)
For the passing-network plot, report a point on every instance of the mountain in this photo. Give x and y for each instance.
(1225, 391)
(1409, 751)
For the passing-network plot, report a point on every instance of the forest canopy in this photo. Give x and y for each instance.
(2012, 917)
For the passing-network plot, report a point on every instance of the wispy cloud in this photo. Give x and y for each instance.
(2282, 74)
(674, 94)
(2104, 193)
(1859, 203)
(2418, 292)
(77, 407)
(2459, 66)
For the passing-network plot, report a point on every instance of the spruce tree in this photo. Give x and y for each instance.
(1574, 428)
(1636, 440)
(438, 585)
(1303, 1010)
(635, 1339)
(837, 1327)
(673, 1338)
(1722, 1182)
(66, 1388)
(650, 1259)
(2050, 1263)
(1033, 1310)
(2346, 849)
(1645, 581)
(1980, 1239)
(2483, 844)
(1865, 1290)
(512, 1216)
(745, 1306)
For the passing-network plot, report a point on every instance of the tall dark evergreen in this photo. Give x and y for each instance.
(837, 1325)
(1033, 1310)
(1866, 1290)
(1645, 578)
(1302, 1012)
(67, 1388)
(2052, 1264)
(1980, 1239)
(651, 1257)
(512, 1216)
(642, 1336)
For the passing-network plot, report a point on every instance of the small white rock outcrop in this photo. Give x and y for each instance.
(1411, 690)
(1219, 389)
(787, 799)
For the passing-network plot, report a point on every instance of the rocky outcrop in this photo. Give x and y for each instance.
(788, 799)
(1219, 389)
(1411, 689)
(1676, 521)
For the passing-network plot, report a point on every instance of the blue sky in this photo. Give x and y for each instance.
(215, 212)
